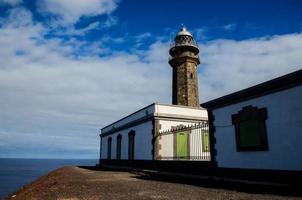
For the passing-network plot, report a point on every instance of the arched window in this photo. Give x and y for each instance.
(109, 142)
(131, 142)
(118, 147)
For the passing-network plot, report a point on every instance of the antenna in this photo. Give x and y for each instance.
(183, 27)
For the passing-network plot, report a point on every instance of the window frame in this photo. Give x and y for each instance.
(119, 147)
(131, 154)
(109, 148)
(249, 113)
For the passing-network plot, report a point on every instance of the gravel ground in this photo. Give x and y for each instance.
(70, 183)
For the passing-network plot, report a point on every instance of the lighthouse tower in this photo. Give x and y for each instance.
(184, 60)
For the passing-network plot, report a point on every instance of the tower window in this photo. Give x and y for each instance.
(191, 75)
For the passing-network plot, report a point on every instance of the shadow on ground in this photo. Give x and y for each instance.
(210, 182)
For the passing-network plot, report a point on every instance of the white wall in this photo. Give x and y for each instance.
(173, 115)
(180, 111)
(167, 141)
(142, 144)
(284, 131)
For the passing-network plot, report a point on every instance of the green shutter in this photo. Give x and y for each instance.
(182, 144)
(249, 133)
(205, 141)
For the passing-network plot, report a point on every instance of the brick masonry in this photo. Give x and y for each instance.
(185, 81)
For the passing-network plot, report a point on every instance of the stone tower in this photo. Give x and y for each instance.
(184, 60)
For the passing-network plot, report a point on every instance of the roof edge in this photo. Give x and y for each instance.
(153, 104)
(280, 83)
(129, 115)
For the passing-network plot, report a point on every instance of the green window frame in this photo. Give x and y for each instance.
(250, 129)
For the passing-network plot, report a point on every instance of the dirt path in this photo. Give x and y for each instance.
(71, 183)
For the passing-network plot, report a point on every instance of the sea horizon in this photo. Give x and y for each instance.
(50, 158)
(18, 172)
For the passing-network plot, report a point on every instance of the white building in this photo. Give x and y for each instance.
(252, 134)
(260, 127)
(161, 132)
(136, 136)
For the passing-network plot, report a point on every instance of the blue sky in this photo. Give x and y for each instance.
(68, 69)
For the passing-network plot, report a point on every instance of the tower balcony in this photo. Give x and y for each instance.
(185, 54)
(178, 49)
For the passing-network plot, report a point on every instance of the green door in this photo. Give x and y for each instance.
(182, 145)
(205, 141)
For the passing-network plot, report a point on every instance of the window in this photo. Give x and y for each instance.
(131, 142)
(250, 129)
(118, 147)
(109, 148)
(205, 141)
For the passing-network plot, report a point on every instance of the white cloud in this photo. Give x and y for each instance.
(111, 21)
(108, 39)
(230, 65)
(71, 31)
(51, 99)
(46, 90)
(10, 2)
(229, 27)
(200, 34)
(140, 38)
(68, 12)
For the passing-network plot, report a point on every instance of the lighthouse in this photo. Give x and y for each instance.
(184, 61)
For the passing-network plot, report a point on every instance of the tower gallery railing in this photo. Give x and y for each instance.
(189, 142)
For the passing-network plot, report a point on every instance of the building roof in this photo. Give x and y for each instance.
(281, 83)
(163, 111)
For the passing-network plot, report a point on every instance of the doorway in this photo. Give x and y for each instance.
(182, 145)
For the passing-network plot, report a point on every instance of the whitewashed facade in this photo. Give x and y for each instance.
(146, 123)
(282, 99)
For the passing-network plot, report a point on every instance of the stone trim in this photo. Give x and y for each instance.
(212, 138)
(156, 139)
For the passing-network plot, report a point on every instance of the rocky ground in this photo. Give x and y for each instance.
(81, 183)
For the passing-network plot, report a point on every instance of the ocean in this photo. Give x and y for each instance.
(15, 173)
